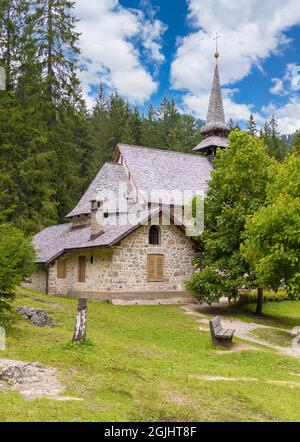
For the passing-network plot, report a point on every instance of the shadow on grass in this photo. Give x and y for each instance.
(246, 313)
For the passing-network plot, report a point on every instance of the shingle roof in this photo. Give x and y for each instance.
(107, 180)
(56, 240)
(165, 171)
(215, 115)
(212, 141)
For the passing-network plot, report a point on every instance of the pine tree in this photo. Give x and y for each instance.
(271, 136)
(99, 130)
(13, 16)
(233, 125)
(296, 142)
(251, 126)
(58, 58)
(150, 128)
(118, 114)
(133, 130)
(58, 47)
(191, 134)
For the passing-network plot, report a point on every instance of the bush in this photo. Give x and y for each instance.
(16, 263)
(208, 286)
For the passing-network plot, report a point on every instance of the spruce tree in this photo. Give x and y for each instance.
(150, 128)
(296, 142)
(271, 136)
(251, 126)
(13, 18)
(58, 57)
(133, 129)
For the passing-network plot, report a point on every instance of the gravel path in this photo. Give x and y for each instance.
(244, 330)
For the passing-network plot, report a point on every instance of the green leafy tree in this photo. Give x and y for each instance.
(16, 263)
(236, 190)
(273, 233)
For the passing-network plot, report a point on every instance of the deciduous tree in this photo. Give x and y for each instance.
(237, 189)
(273, 232)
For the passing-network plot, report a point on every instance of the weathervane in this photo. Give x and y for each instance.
(216, 39)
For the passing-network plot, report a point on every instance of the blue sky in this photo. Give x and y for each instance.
(145, 49)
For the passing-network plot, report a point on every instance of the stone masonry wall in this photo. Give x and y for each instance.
(123, 268)
(37, 281)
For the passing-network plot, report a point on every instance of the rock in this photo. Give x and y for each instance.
(32, 380)
(295, 331)
(36, 316)
(13, 373)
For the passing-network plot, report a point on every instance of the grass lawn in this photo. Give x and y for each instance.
(144, 363)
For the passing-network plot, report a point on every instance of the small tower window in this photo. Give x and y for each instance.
(155, 236)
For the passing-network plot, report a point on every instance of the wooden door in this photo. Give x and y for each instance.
(81, 268)
(155, 268)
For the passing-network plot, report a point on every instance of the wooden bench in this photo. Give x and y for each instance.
(219, 335)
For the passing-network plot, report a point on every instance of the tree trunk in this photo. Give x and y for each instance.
(260, 300)
(80, 325)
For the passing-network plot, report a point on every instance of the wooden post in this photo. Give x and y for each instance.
(80, 325)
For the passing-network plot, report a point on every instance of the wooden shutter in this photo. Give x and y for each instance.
(62, 269)
(156, 268)
(81, 268)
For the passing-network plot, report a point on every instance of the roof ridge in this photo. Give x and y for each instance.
(160, 150)
(55, 225)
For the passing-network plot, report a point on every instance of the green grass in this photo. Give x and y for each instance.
(275, 337)
(144, 363)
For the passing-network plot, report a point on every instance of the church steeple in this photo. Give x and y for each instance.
(215, 131)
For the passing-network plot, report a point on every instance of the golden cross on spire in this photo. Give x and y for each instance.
(216, 39)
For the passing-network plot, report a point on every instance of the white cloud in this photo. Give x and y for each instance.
(277, 88)
(287, 115)
(109, 42)
(251, 31)
(290, 83)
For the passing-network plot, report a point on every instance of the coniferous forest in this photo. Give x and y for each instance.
(51, 145)
(133, 357)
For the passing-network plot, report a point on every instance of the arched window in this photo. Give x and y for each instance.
(154, 236)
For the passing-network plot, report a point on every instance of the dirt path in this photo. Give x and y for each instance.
(33, 381)
(246, 379)
(244, 330)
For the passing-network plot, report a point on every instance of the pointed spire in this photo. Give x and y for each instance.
(215, 131)
(215, 116)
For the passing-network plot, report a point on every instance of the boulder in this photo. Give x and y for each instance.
(295, 331)
(36, 316)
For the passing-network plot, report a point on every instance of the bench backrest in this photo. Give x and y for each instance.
(215, 325)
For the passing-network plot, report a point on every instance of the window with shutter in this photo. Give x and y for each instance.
(62, 269)
(81, 268)
(155, 268)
